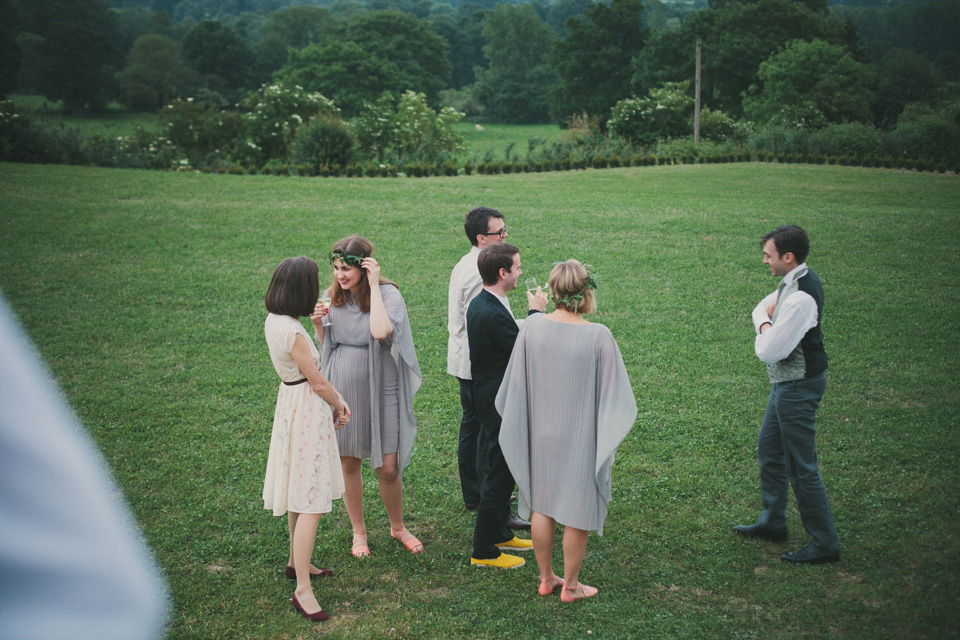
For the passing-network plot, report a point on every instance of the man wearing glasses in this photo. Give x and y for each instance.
(484, 226)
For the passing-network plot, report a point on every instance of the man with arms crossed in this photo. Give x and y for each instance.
(491, 333)
(790, 341)
(484, 226)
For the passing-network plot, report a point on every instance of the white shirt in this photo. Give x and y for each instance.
(797, 315)
(465, 284)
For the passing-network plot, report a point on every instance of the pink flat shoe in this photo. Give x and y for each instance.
(408, 539)
(545, 589)
(359, 549)
(578, 591)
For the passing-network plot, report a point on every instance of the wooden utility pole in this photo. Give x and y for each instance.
(696, 107)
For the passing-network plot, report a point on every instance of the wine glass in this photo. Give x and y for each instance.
(325, 301)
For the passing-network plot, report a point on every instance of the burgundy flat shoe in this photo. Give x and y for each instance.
(324, 573)
(318, 616)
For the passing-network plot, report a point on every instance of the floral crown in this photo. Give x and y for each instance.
(346, 258)
(573, 300)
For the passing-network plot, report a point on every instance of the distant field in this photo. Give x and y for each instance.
(117, 121)
(493, 138)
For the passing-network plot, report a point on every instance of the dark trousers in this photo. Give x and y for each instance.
(494, 510)
(471, 456)
(787, 451)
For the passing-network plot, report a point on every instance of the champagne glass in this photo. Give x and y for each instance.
(531, 284)
(325, 301)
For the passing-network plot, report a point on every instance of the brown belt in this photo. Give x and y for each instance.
(292, 384)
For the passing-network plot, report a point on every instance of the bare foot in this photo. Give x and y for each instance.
(549, 585)
(578, 591)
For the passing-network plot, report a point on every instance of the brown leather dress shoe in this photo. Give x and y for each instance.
(516, 523)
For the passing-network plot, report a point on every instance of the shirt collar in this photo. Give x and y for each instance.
(795, 274)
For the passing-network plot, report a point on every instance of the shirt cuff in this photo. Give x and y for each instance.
(760, 317)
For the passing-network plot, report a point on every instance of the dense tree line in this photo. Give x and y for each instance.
(765, 62)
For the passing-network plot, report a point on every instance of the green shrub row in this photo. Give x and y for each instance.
(22, 140)
(450, 168)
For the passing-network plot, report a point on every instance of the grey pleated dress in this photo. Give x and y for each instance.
(378, 379)
(566, 404)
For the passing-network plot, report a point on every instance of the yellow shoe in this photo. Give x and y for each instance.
(503, 561)
(517, 544)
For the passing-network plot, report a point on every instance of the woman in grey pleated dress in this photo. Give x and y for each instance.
(368, 354)
(566, 404)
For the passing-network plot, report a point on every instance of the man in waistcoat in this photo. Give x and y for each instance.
(789, 340)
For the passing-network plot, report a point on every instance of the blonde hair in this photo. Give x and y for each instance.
(571, 287)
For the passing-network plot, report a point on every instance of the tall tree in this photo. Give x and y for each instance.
(372, 53)
(345, 72)
(10, 54)
(78, 66)
(904, 77)
(737, 36)
(515, 86)
(155, 73)
(464, 36)
(811, 84)
(296, 27)
(593, 61)
(220, 55)
(407, 42)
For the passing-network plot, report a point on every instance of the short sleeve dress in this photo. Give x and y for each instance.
(303, 466)
(566, 404)
(378, 379)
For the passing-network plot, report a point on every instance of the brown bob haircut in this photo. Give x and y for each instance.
(294, 288)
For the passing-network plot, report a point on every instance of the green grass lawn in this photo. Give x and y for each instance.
(143, 291)
(117, 121)
(497, 138)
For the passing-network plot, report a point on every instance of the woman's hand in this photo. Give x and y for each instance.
(320, 311)
(341, 412)
(373, 271)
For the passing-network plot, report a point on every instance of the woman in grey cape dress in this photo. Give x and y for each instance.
(368, 355)
(566, 404)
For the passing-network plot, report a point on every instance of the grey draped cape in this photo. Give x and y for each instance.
(567, 405)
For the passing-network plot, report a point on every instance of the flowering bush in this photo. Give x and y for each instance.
(139, 151)
(419, 129)
(663, 114)
(411, 131)
(275, 112)
(200, 130)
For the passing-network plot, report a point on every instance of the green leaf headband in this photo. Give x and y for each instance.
(573, 300)
(346, 258)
